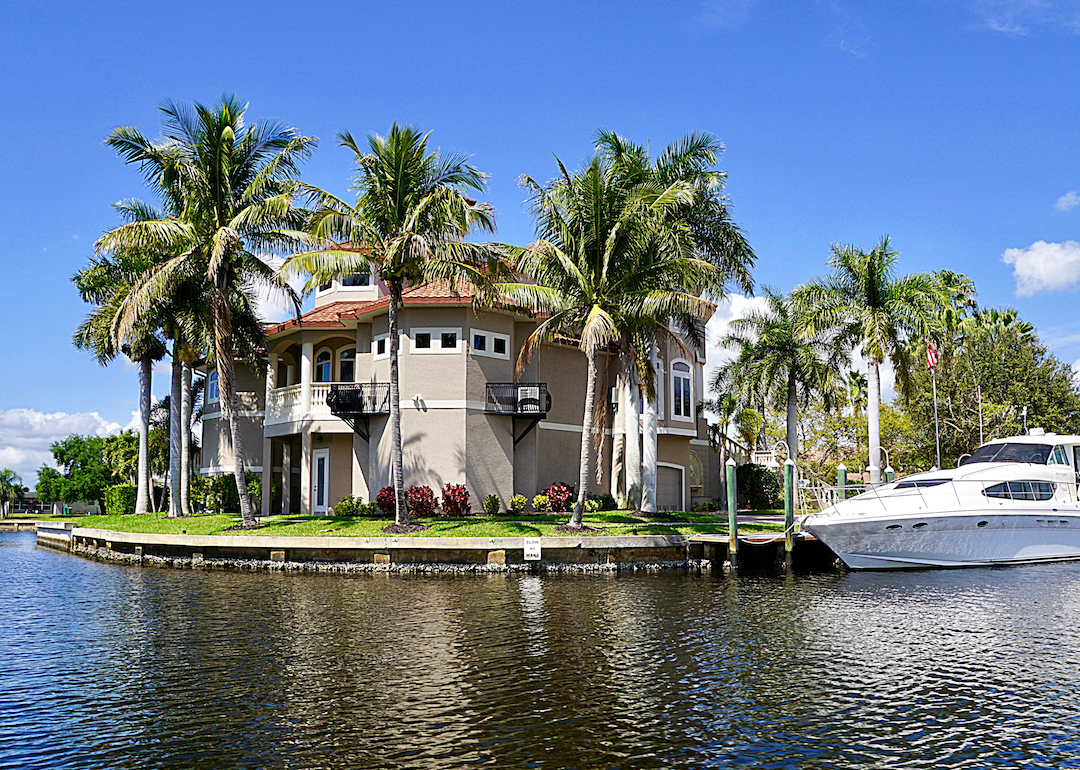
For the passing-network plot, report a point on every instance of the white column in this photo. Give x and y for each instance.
(267, 476)
(633, 443)
(290, 375)
(306, 357)
(271, 375)
(648, 450)
(305, 469)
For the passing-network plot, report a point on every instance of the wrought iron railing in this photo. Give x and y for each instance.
(359, 399)
(518, 399)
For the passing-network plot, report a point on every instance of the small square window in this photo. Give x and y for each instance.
(325, 286)
(380, 347)
(422, 340)
(498, 346)
(479, 342)
(449, 340)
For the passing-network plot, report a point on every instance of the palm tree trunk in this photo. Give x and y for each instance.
(231, 402)
(793, 418)
(174, 434)
(401, 510)
(633, 441)
(873, 420)
(649, 447)
(185, 438)
(585, 464)
(142, 481)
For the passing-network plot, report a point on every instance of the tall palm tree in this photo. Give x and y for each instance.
(780, 361)
(231, 187)
(597, 275)
(11, 488)
(870, 307)
(855, 385)
(408, 224)
(716, 239)
(106, 283)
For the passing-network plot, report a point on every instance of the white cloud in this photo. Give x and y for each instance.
(1076, 373)
(734, 306)
(1021, 17)
(272, 305)
(25, 436)
(1044, 266)
(1067, 201)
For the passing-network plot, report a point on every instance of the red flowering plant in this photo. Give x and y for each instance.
(559, 495)
(385, 500)
(421, 500)
(455, 500)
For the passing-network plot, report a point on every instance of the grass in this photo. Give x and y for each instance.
(609, 523)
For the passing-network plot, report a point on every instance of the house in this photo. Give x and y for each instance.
(315, 423)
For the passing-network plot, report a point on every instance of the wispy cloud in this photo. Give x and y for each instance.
(1024, 17)
(1044, 267)
(725, 14)
(25, 436)
(1067, 201)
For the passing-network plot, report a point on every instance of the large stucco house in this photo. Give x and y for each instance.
(316, 420)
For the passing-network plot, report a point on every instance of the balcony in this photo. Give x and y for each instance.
(528, 401)
(361, 399)
(286, 404)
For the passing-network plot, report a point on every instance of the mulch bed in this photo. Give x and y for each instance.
(566, 529)
(241, 527)
(398, 529)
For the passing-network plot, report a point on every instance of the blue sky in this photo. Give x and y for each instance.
(951, 125)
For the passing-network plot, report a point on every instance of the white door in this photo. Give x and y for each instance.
(320, 480)
(669, 488)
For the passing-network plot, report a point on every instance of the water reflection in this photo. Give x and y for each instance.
(114, 667)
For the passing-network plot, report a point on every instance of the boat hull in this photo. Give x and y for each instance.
(950, 539)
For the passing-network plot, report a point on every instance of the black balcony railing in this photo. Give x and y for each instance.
(518, 399)
(362, 399)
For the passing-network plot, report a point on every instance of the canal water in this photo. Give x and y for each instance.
(105, 666)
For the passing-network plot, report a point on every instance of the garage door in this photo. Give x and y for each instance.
(668, 489)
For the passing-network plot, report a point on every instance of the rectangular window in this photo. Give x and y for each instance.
(422, 340)
(490, 344)
(381, 346)
(499, 346)
(479, 342)
(436, 340)
(449, 340)
(363, 279)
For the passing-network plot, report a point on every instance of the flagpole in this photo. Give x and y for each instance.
(937, 433)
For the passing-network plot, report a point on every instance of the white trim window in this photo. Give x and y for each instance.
(428, 341)
(380, 347)
(324, 363)
(357, 281)
(682, 391)
(491, 344)
(347, 365)
(212, 394)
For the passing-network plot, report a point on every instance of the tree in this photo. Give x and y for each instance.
(231, 187)
(715, 237)
(598, 275)
(86, 474)
(868, 306)
(50, 485)
(779, 361)
(408, 224)
(725, 407)
(11, 488)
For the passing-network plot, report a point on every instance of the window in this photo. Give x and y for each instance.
(347, 365)
(490, 344)
(212, 387)
(681, 394)
(381, 346)
(361, 279)
(325, 287)
(435, 340)
(1007, 452)
(1021, 490)
(1059, 457)
(322, 366)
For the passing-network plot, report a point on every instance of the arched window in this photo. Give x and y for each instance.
(347, 365)
(322, 366)
(682, 399)
(212, 387)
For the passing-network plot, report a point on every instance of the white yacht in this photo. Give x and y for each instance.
(1013, 501)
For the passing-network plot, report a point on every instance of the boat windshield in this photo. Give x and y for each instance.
(1011, 453)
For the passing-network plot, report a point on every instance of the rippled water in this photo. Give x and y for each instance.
(106, 666)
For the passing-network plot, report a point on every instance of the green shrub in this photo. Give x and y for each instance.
(605, 502)
(591, 506)
(757, 487)
(541, 503)
(353, 506)
(518, 503)
(491, 505)
(120, 499)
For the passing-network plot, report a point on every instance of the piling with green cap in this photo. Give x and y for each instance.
(733, 524)
(841, 481)
(789, 511)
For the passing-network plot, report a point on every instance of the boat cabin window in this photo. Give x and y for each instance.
(1010, 453)
(920, 483)
(1059, 457)
(1021, 490)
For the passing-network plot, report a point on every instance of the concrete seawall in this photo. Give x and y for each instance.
(413, 554)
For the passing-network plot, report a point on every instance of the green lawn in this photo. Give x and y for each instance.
(609, 523)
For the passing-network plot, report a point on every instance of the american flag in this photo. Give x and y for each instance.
(931, 355)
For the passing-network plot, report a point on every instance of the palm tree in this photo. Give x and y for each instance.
(716, 239)
(598, 275)
(779, 361)
(869, 306)
(408, 224)
(725, 407)
(855, 385)
(11, 488)
(230, 186)
(106, 283)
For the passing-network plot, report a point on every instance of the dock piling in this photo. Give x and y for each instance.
(733, 524)
(789, 511)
